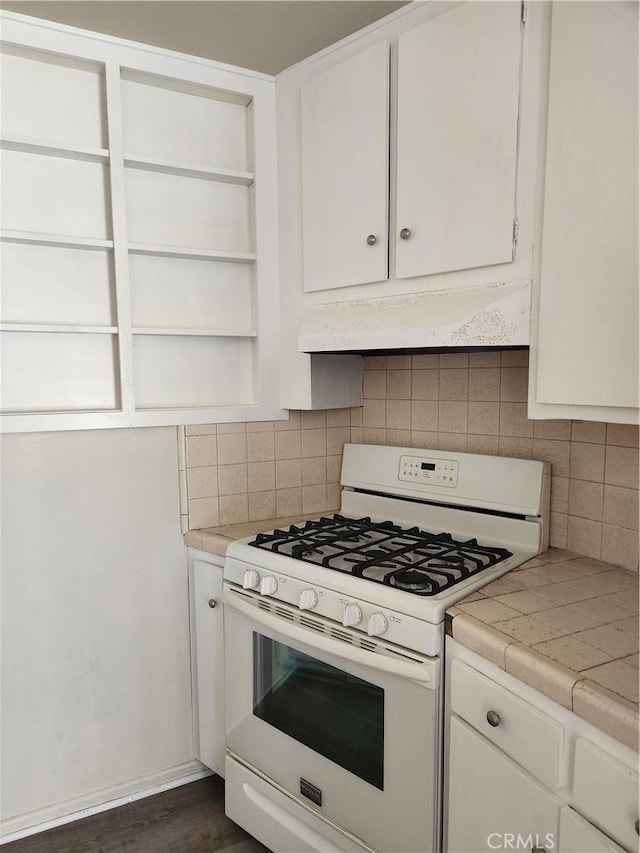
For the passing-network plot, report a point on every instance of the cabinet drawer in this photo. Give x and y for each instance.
(531, 738)
(606, 792)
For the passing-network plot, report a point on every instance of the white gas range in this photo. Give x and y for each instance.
(334, 639)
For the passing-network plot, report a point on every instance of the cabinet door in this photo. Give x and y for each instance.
(492, 802)
(458, 91)
(579, 836)
(588, 321)
(345, 173)
(209, 662)
(607, 791)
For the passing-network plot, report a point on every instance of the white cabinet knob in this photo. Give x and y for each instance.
(352, 615)
(268, 585)
(377, 624)
(251, 579)
(308, 599)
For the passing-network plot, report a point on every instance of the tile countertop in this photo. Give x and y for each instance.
(215, 540)
(565, 625)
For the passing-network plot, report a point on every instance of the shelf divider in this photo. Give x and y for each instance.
(119, 230)
(227, 176)
(38, 239)
(52, 149)
(59, 327)
(196, 254)
(203, 333)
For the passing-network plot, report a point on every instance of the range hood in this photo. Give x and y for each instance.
(491, 315)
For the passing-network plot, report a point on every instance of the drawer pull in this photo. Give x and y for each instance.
(212, 603)
(638, 827)
(493, 718)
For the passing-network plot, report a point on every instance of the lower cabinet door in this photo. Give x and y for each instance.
(208, 662)
(492, 803)
(577, 835)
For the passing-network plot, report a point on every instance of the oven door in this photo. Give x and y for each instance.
(349, 726)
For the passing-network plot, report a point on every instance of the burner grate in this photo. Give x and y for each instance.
(409, 559)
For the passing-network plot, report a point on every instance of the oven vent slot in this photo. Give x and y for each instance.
(283, 613)
(337, 634)
(368, 645)
(311, 623)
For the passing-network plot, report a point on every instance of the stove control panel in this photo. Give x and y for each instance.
(434, 472)
(352, 612)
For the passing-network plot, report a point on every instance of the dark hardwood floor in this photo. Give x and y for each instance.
(189, 819)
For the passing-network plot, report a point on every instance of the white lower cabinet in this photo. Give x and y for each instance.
(493, 803)
(523, 773)
(607, 791)
(207, 655)
(577, 835)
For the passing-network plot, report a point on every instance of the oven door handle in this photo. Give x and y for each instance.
(423, 671)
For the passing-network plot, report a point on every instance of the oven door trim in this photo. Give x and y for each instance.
(415, 667)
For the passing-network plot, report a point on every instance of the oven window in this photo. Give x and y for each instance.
(335, 714)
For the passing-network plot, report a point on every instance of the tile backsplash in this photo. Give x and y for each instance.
(475, 402)
(231, 473)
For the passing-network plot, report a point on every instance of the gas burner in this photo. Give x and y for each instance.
(412, 580)
(409, 559)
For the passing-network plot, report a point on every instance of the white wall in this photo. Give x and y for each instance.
(96, 698)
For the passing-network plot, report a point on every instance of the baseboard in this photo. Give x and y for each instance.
(49, 817)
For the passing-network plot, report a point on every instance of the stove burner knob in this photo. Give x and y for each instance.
(251, 579)
(352, 615)
(268, 585)
(308, 599)
(377, 625)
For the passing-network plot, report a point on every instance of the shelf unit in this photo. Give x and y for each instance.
(137, 185)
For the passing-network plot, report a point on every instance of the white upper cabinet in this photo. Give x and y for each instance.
(586, 353)
(447, 134)
(457, 128)
(345, 167)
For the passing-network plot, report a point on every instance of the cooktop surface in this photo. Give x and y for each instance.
(408, 559)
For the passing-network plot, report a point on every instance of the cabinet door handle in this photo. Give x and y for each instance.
(405, 234)
(638, 827)
(372, 240)
(493, 718)
(212, 603)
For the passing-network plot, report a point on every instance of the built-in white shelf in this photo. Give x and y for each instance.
(186, 170)
(197, 254)
(203, 333)
(158, 323)
(59, 328)
(39, 239)
(51, 149)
